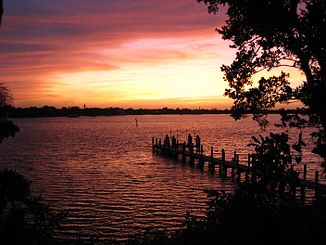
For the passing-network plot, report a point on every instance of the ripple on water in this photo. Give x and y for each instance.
(102, 173)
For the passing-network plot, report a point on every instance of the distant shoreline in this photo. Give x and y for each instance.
(50, 111)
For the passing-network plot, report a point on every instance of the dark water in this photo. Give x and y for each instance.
(102, 172)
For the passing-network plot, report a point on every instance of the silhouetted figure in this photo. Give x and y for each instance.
(197, 143)
(136, 122)
(189, 139)
(173, 141)
(298, 146)
(167, 141)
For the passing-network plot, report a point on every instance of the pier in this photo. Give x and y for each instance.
(194, 153)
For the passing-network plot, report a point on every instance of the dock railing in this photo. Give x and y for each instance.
(217, 159)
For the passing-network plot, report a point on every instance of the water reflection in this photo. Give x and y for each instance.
(103, 173)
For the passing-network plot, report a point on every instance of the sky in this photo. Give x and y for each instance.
(103, 53)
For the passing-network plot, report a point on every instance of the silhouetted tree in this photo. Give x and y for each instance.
(7, 127)
(271, 34)
(23, 218)
(262, 210)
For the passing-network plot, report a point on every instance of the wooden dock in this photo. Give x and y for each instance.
(194, 153)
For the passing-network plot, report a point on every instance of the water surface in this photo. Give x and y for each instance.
(102, 172)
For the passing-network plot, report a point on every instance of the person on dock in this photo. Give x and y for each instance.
(197, 143)
(173, 141)
(189, 140)
(167, 142)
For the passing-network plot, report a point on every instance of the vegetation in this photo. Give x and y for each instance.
(275, 34)
(262, 210)
(24, 219)
(51, 111)
(7, 127)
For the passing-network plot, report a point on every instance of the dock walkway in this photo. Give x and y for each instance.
(195, 153)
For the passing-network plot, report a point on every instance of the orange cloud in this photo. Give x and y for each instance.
(110, 52)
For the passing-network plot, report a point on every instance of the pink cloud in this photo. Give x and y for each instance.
(42, 38)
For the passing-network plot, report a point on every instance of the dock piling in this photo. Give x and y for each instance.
(316, 184)
(201, 158)
(192, 159)
(223, 165)
(251, 169)
(184, 152)
(212, 163)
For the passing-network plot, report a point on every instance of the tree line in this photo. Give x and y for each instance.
(75, 111)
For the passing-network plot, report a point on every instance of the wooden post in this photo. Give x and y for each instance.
(176, 153)
(201, 159)
(220, 164)
(212, 164)
(303, 194)
(248, 166)
(223, 168)
(316, 184)
(238, 172)
(293, 186)
(234, 164)
(191, 154)
(249, 162)
(184, 152)
(253, 166)
(153, 145)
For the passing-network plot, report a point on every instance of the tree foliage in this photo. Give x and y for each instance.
(262, 210)
(273, 34)
(7, 127)
(24, 219)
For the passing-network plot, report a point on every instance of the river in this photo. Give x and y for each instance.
(101, 170)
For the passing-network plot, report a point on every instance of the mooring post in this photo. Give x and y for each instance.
(249, 156)
(293, 188)
(316, 184)
(234, 163)
(176, 153)
(303, 182)
(221, 163)
(223, 169)
(191, 154)
(253, 166)
(248, 166)
(184, 152)
(238, 172)
(201, 158)
(305, 172)
(212, 164)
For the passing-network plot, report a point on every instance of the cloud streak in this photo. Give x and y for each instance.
(42, 41)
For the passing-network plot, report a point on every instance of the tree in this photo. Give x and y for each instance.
(24, 219)
(7, 127)
(271, 34)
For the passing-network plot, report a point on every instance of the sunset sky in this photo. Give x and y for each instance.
(126, 53)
